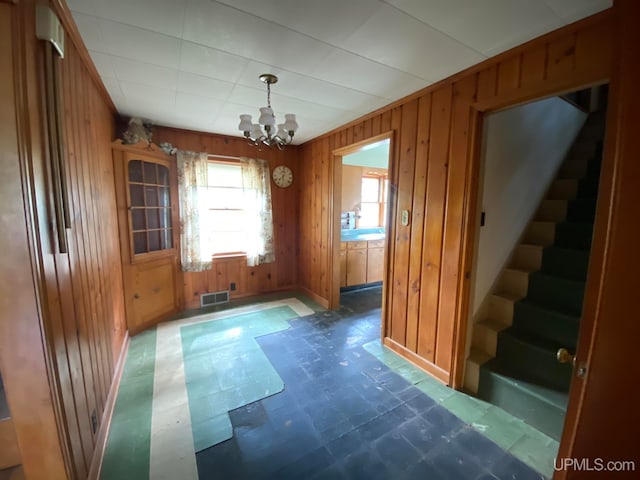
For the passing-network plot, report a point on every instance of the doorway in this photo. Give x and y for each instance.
(361, 196)
(541, 169)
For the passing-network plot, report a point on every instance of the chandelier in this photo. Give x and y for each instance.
(264, 132)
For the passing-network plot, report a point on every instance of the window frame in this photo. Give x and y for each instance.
(235, 163)
(382, 196)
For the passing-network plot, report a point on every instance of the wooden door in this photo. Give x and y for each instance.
(603, 417)
(146, 188)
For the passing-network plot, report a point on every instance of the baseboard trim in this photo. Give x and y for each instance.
(433, 370)
(107, 415)
(315, 297)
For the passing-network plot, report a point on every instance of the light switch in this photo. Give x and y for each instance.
(405, 218)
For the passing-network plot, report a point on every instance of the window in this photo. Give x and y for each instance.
(373, 206)
(150, 206)
(224, 217)
(225, 208)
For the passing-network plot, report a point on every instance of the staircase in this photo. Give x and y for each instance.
(536, 306)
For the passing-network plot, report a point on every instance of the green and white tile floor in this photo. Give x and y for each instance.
(165, 412)
(510, 433)
(180, 380)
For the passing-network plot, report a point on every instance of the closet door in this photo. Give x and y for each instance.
(148, 223)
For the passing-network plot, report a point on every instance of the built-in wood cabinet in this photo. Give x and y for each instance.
(375, 261)
(146, 192)
(361, 262)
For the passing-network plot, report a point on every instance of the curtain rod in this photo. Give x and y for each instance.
(222, 156)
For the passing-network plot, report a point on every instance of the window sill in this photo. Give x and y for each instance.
(225, 257)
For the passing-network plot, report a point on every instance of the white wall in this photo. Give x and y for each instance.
(522, 150)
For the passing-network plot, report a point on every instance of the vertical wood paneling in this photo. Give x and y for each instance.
(509, 75)
(406, 166)
(283, 274)
(417, 220)
(561, 58)
(433, 225)
(429, 175)
(459, 155)
(533, 66)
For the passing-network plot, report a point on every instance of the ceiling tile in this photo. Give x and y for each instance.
(104, 63)
(409, 45)
(490, 29)
(311, 89)
(113, 87)
(145, 73)
(82, 6)
(573, 10)
(319, 20)
(210, 62)
(149, 99)
(90, 31)
(203, 86)
(138, 44)
(219, 26)
(358, 73)
(163, 16)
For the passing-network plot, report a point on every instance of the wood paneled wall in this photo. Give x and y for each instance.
(75, 310)
(280, 275)
(433, 175)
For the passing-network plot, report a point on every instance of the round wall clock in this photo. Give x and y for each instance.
(282, 176)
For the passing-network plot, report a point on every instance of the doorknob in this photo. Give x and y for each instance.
(564, 356)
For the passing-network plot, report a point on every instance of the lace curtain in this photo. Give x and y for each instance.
(256, 183)
(192, 190)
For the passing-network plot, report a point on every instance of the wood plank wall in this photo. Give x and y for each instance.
(79, 297)
(280, 275)
(432, 175)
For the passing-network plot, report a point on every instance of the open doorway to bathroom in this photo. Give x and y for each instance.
(362, 175)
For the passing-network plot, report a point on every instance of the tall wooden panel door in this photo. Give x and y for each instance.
(146, 189)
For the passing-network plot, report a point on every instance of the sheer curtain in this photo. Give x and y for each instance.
(256, 184)
(192, 191)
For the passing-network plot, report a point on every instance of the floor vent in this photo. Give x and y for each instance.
(214, 298)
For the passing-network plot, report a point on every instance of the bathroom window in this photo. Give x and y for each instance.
(373, 207)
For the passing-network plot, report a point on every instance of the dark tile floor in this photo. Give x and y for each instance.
(345, 415)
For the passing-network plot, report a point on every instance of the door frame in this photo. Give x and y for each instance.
(336, 209)
(595, 275)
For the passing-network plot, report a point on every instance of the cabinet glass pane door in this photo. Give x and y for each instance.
(150, 206)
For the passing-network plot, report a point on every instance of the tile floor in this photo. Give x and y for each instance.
(346, 407)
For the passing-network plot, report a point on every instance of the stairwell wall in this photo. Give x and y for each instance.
(523, 149)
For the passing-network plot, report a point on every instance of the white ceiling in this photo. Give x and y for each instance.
(195, 63)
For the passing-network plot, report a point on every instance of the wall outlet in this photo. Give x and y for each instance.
(232, 286)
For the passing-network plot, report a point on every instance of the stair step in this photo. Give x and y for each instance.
(565, 262)
(541, 407)
(514, 281)
(533, 359)
(554, 327)
(501, 307)
(562, 294)
(540, 233)
(588, 186)
(563, 189)
(573, 235)
(485, 335)
(527, 257)
(551, 211)
(573, 168)
(472, 372)
(581, 210)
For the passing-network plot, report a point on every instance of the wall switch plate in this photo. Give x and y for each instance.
(405, 218)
